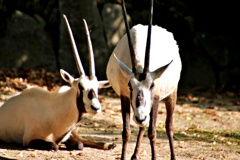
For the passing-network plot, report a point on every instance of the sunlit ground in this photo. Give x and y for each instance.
(206, 122)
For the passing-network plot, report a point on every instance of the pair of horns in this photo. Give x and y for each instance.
(75, 51)
(148, 45)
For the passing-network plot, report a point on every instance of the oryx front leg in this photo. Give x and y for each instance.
(152, 126)
(139, 141)
(170, 103)
(126, 133)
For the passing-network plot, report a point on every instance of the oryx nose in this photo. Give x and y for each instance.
(95, 108)
(140, 120)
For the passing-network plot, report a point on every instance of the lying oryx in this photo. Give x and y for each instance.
(143, 69)
(40, 119)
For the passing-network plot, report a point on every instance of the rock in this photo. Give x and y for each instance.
(113, 22)
(24, 44)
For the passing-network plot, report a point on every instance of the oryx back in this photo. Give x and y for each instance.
(163, 49)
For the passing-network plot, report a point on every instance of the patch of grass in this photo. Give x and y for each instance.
(235, 135)
(214, 136)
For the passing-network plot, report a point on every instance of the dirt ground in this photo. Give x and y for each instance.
(207, 127)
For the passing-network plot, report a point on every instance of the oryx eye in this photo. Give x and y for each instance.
(91, 94)
(152, 86)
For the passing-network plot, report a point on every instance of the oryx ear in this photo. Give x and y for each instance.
(104, 84)
(124, 69)
(158, 72)
(66, 76)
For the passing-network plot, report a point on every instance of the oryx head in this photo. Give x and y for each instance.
(141, 82)
(87, 84)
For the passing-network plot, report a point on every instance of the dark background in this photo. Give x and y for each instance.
(33, 35)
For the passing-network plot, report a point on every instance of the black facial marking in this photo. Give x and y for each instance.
(140, 99)
(91, 94)
(130, 86)
(80, 104)
(142, 76)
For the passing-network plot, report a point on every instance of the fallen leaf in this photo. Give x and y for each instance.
(32, 154)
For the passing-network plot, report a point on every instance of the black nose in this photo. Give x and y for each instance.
(140, 120)
(94, 108)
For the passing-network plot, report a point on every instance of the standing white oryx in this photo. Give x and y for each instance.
(40, 119)
(143, 69)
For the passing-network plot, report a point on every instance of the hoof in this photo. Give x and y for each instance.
(109, 146)
(80, 146)
(134, 157)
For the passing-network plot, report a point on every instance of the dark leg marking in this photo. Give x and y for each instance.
(139, 141)
(126, 133)
(42, 145)
(170, 103)
(152, 126)
(72, 144)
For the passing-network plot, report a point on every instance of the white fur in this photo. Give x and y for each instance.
(163, 49)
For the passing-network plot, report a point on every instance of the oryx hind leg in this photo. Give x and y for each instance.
(77, 142)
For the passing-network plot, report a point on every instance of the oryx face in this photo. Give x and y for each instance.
(141, 92)
(89, 94)
(141, 87)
